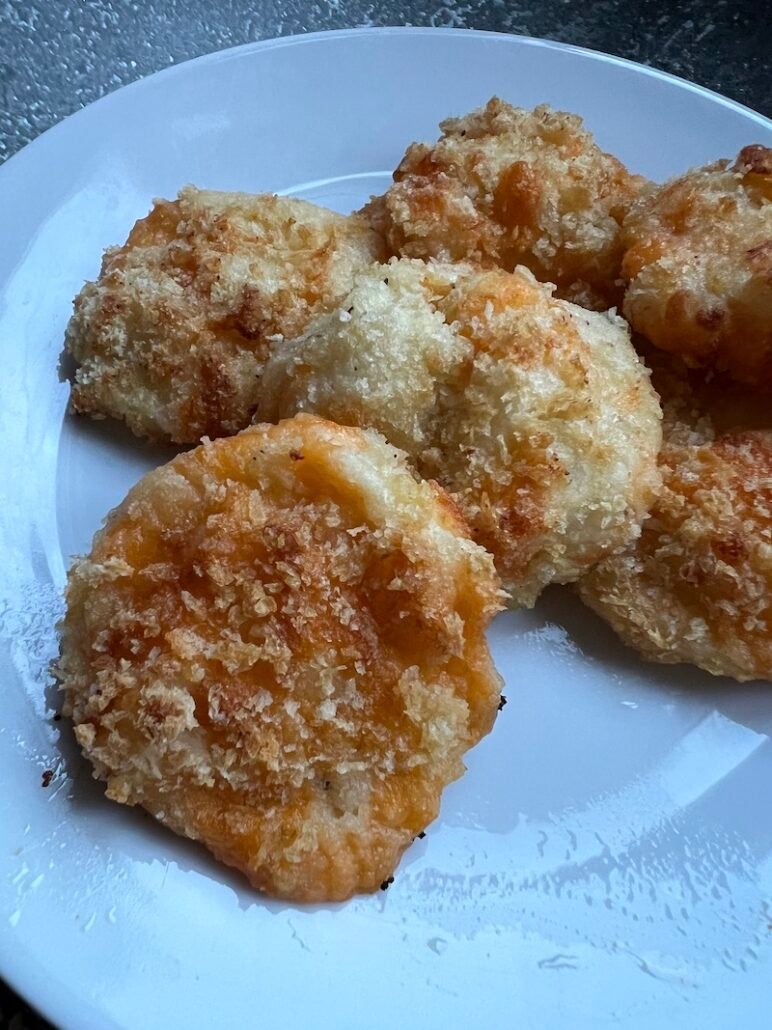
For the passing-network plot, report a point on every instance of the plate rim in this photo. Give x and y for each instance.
(53, 999)
(297, 39)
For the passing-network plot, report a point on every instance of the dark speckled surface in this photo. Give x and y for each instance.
(59, 55)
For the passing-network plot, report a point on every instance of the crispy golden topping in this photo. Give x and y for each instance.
(699, 266)
(536, 414)
(173, 335)
(697, 584)
(277, 647)
(506, 186)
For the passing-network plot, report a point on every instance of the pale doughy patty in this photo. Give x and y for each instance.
(173, 335)
(277, 647)
(696, 586)
(536, 414)
(699, 265)
(504, 186)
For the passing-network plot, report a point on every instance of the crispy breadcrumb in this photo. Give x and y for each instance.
(537, 415)
(696, 586)
(699, 266)
(277, 647)
(172, 336)
(505, 186)
(386, 358)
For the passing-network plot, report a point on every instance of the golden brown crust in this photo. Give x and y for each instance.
(699, 265)
(505, 186)
(551, 448)
(173, 335)
(537, 415)
(277, 646)
(697, 585)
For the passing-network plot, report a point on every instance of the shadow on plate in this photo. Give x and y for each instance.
(746, 703)
(529, 803)
(117, 438)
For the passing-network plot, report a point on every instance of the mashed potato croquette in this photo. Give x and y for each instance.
(172, 336)
(537, 415)
(277, 647)
(697, 585)
(699, 265)
(505, 186)
(387, 358)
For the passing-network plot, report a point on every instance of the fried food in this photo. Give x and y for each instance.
(504, 186)
(537, 415)
(173, 335)
(277, 647)
(386, 358)
(699, 266)
(696, 586)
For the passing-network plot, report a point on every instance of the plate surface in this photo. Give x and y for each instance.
(608, 857)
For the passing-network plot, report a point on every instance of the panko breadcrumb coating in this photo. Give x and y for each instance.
(387, 358)
(172, 336)
(537, 415)
(696, 586)
(699, 265)
(277, 647)
(505, 186)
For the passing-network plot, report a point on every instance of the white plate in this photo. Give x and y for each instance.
(606, 859)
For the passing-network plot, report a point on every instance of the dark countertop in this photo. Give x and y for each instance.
(59, 55)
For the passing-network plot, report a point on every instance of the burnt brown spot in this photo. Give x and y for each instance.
(48, 775)
(710, 318)
(251, 318)
(761, 250)
(517, 197)
(760, 258)
(755, 158)
(730, 549)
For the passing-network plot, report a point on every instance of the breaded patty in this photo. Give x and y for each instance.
(386, 358)
(277, 647)
(537, 415)
(505, 186)
(173, 335)
(699, 266)
(697, 585)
